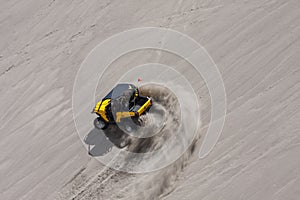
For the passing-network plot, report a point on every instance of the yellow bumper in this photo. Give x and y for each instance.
(144, 107)
(100, 109)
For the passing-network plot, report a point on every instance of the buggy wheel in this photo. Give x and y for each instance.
(100, 124)
(136, 121)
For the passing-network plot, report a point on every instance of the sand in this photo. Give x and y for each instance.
(255, 45)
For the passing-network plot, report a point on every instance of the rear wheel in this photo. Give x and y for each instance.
(100, 124)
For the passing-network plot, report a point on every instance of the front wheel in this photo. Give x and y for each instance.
(100, 124)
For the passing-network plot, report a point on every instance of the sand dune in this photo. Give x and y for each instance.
(255, 45)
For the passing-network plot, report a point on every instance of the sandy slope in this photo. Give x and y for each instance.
(255, 45)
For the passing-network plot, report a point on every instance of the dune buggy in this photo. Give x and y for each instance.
(122, 104)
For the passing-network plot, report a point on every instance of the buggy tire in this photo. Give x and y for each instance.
(99, 123)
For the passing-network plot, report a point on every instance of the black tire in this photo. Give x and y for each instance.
(100, 124)
(136, 121)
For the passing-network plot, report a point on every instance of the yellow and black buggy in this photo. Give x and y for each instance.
(122, 105)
